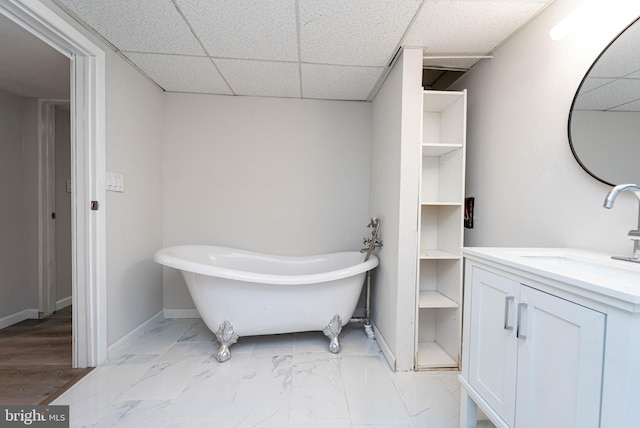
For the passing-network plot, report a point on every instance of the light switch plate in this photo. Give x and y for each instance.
(115, 182)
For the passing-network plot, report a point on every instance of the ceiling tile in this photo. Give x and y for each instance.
(261, 78)
(592, 83)
(468, 26)
(357, 32)
(616, 93)
(338, 82)
(141, 26)
(632, 106)
(622, 57)
(181, 73)
(246, 29)
(617, 65)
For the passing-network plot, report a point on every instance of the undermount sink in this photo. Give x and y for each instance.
(607, 268)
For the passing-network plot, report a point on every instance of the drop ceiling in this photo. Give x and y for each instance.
(324, 49)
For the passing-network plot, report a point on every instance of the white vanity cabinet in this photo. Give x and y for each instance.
(522, 341)
(542, 353)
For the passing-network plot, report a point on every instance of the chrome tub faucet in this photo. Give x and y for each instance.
(373, 242)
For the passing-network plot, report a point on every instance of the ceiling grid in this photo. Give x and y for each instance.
(325, 49)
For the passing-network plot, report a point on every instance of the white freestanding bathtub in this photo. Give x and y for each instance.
(243, 293)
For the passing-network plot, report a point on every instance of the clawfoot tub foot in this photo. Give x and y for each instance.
(227, 337)
(332, 331)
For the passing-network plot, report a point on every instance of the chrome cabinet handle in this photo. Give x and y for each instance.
(521, 308)
(507, 301)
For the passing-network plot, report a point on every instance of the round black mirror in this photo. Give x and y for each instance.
(604, 120)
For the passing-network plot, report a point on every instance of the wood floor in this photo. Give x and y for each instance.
(35, 360)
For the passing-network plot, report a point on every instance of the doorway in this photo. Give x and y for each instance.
(88, 230)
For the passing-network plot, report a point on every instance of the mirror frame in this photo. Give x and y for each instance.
(575, 97)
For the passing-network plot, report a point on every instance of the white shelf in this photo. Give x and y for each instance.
(431, 356)
(441, 204)
(438, 149)
(439, 100)
(435, 300)
(431, 254)
(440, 228)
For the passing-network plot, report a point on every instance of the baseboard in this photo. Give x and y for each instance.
(386, 350)
(181, 313)
(18, 317)
(63, 303)
(135, 333)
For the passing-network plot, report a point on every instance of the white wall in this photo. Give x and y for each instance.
(280, 176)
(14, 288)
(529, 190)
(134, 218)
(395, 160)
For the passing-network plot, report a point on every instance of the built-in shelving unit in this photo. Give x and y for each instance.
(441, 215)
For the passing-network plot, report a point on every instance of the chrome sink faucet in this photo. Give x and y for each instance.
(634, 235)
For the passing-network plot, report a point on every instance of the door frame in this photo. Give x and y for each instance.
(87, 172)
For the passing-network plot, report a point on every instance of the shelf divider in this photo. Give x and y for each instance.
(432, 356)
(435, 300)
(434, 254)
(439, 149)
(441, 203)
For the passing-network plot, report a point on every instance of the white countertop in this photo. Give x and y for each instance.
(588, 270)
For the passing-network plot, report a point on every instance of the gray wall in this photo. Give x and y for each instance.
(30, 195)
(15, 292)
(19, 212)
(529, 190)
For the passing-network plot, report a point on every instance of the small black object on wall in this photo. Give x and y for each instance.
(468, 212)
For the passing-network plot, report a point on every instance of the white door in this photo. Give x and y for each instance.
(560, 358)
(493, 348)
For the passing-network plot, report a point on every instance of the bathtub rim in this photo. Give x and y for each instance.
(163, 257)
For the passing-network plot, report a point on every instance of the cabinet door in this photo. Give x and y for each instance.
(560, 356)
(493, 347)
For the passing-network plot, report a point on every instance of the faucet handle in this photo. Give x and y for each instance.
(634, 235)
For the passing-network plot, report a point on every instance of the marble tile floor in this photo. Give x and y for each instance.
(167, 377)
